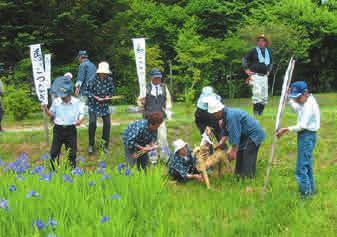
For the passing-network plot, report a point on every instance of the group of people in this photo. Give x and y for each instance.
(94, 91)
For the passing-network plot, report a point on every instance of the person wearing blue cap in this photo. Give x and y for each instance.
(158, 99)
(67, 112)
(86, 72)
(308, 123)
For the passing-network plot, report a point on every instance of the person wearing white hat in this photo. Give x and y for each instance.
(244, 134)
(100, 91)
(69, 75)
(182, 165)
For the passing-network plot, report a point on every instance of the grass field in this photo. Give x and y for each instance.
(110, 202)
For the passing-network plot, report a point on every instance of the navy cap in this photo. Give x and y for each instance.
(82, 53)
(297, 89)
(155, 73)
(62, 87)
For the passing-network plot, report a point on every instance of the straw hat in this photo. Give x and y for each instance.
(178, 144)
(103, 68)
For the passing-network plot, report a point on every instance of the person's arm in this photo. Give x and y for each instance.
(303, 123)
(294, 105)
(234, 134)
(245, 63)
(80, 118)
(50, 112)
(270, 66)
(80, 77)
(111, 92)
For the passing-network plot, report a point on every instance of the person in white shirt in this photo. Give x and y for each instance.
(67, 112)
(308, 123)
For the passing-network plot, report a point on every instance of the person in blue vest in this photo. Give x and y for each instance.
(308, 123)
(257, 64)
(86, 71)
(243, 133)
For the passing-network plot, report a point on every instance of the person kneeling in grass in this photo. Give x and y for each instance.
(67, 113)
(139, 139)
(308, 123)
(244, 133)
(182, 165)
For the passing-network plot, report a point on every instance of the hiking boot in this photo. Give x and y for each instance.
(91, 150)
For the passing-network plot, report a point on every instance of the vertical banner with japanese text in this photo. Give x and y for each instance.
(47, 69)
(140, 56)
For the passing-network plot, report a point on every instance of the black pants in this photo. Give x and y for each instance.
(176, 176)
(246, 159)
(93, 126)
(204, 119)
(66, 135)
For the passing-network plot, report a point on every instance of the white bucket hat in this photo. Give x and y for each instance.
(69, 75)
(178, 144)
(214, 105)
(103, 67)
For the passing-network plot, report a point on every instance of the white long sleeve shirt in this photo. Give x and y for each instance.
(308, 115)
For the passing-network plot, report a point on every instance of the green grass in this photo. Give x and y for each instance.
(152, 206)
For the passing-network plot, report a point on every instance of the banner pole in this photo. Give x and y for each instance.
(46, 129)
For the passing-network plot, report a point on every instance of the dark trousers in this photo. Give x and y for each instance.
(204, 119)
(246, 159)
(93, 126)
(66, 135)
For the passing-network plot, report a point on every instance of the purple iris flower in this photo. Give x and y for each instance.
(115, 196)
(105, 176)
(46, 177)
(23, 156)
(100, 170)
(165, 150)
(67, 178)
(102, 164)
(44, 156)
(92, 183)
(81, 158)
(38, 224)
(104, 219)
(12, 188)
(4, 204)
(120, 167)
(37, 170)
(32, 193)
(20, 165)
(153, 153)
(2, 163)
(51, 222)
(77, 171)
(128, 172)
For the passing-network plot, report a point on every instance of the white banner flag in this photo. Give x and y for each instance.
(38, 73)
(140, 56)
(285, 87)
(47, 69)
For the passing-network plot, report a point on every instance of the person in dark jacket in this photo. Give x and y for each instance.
(257, 64)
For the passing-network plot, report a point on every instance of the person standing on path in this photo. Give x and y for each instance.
(308, 123)
(86, 71)
(257, 64)
(100, 91)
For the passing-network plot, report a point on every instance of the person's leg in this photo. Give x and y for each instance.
(142, 162)
(92, 128)
(106, 129)
(239, 163)
(257, 93)
(304, 155)
(249, 158)
(129, 159)
(311, 173)
(264, 82)
(71, 145)
(56, 146)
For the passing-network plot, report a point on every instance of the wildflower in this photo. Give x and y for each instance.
(92, 183)
(20, 177)
(20, 165)
(38, 224)
(120, 167)
(46, 177)
(100, 170)
(104, 219)
(115, 196)
(44, 156)
(153, 153)
(67, 178)
(102, 164)
(2, 163)
(105, 176)
(37, 170)
(128, 172)
(12, 188)
(32, 193)
(51, 222)
(77, 171)
(81, 158)
(4, 204)
(166, 150)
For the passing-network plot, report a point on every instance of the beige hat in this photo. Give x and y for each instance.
(69, 75)
(178, 144)
(103, 67)
(214, 105)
